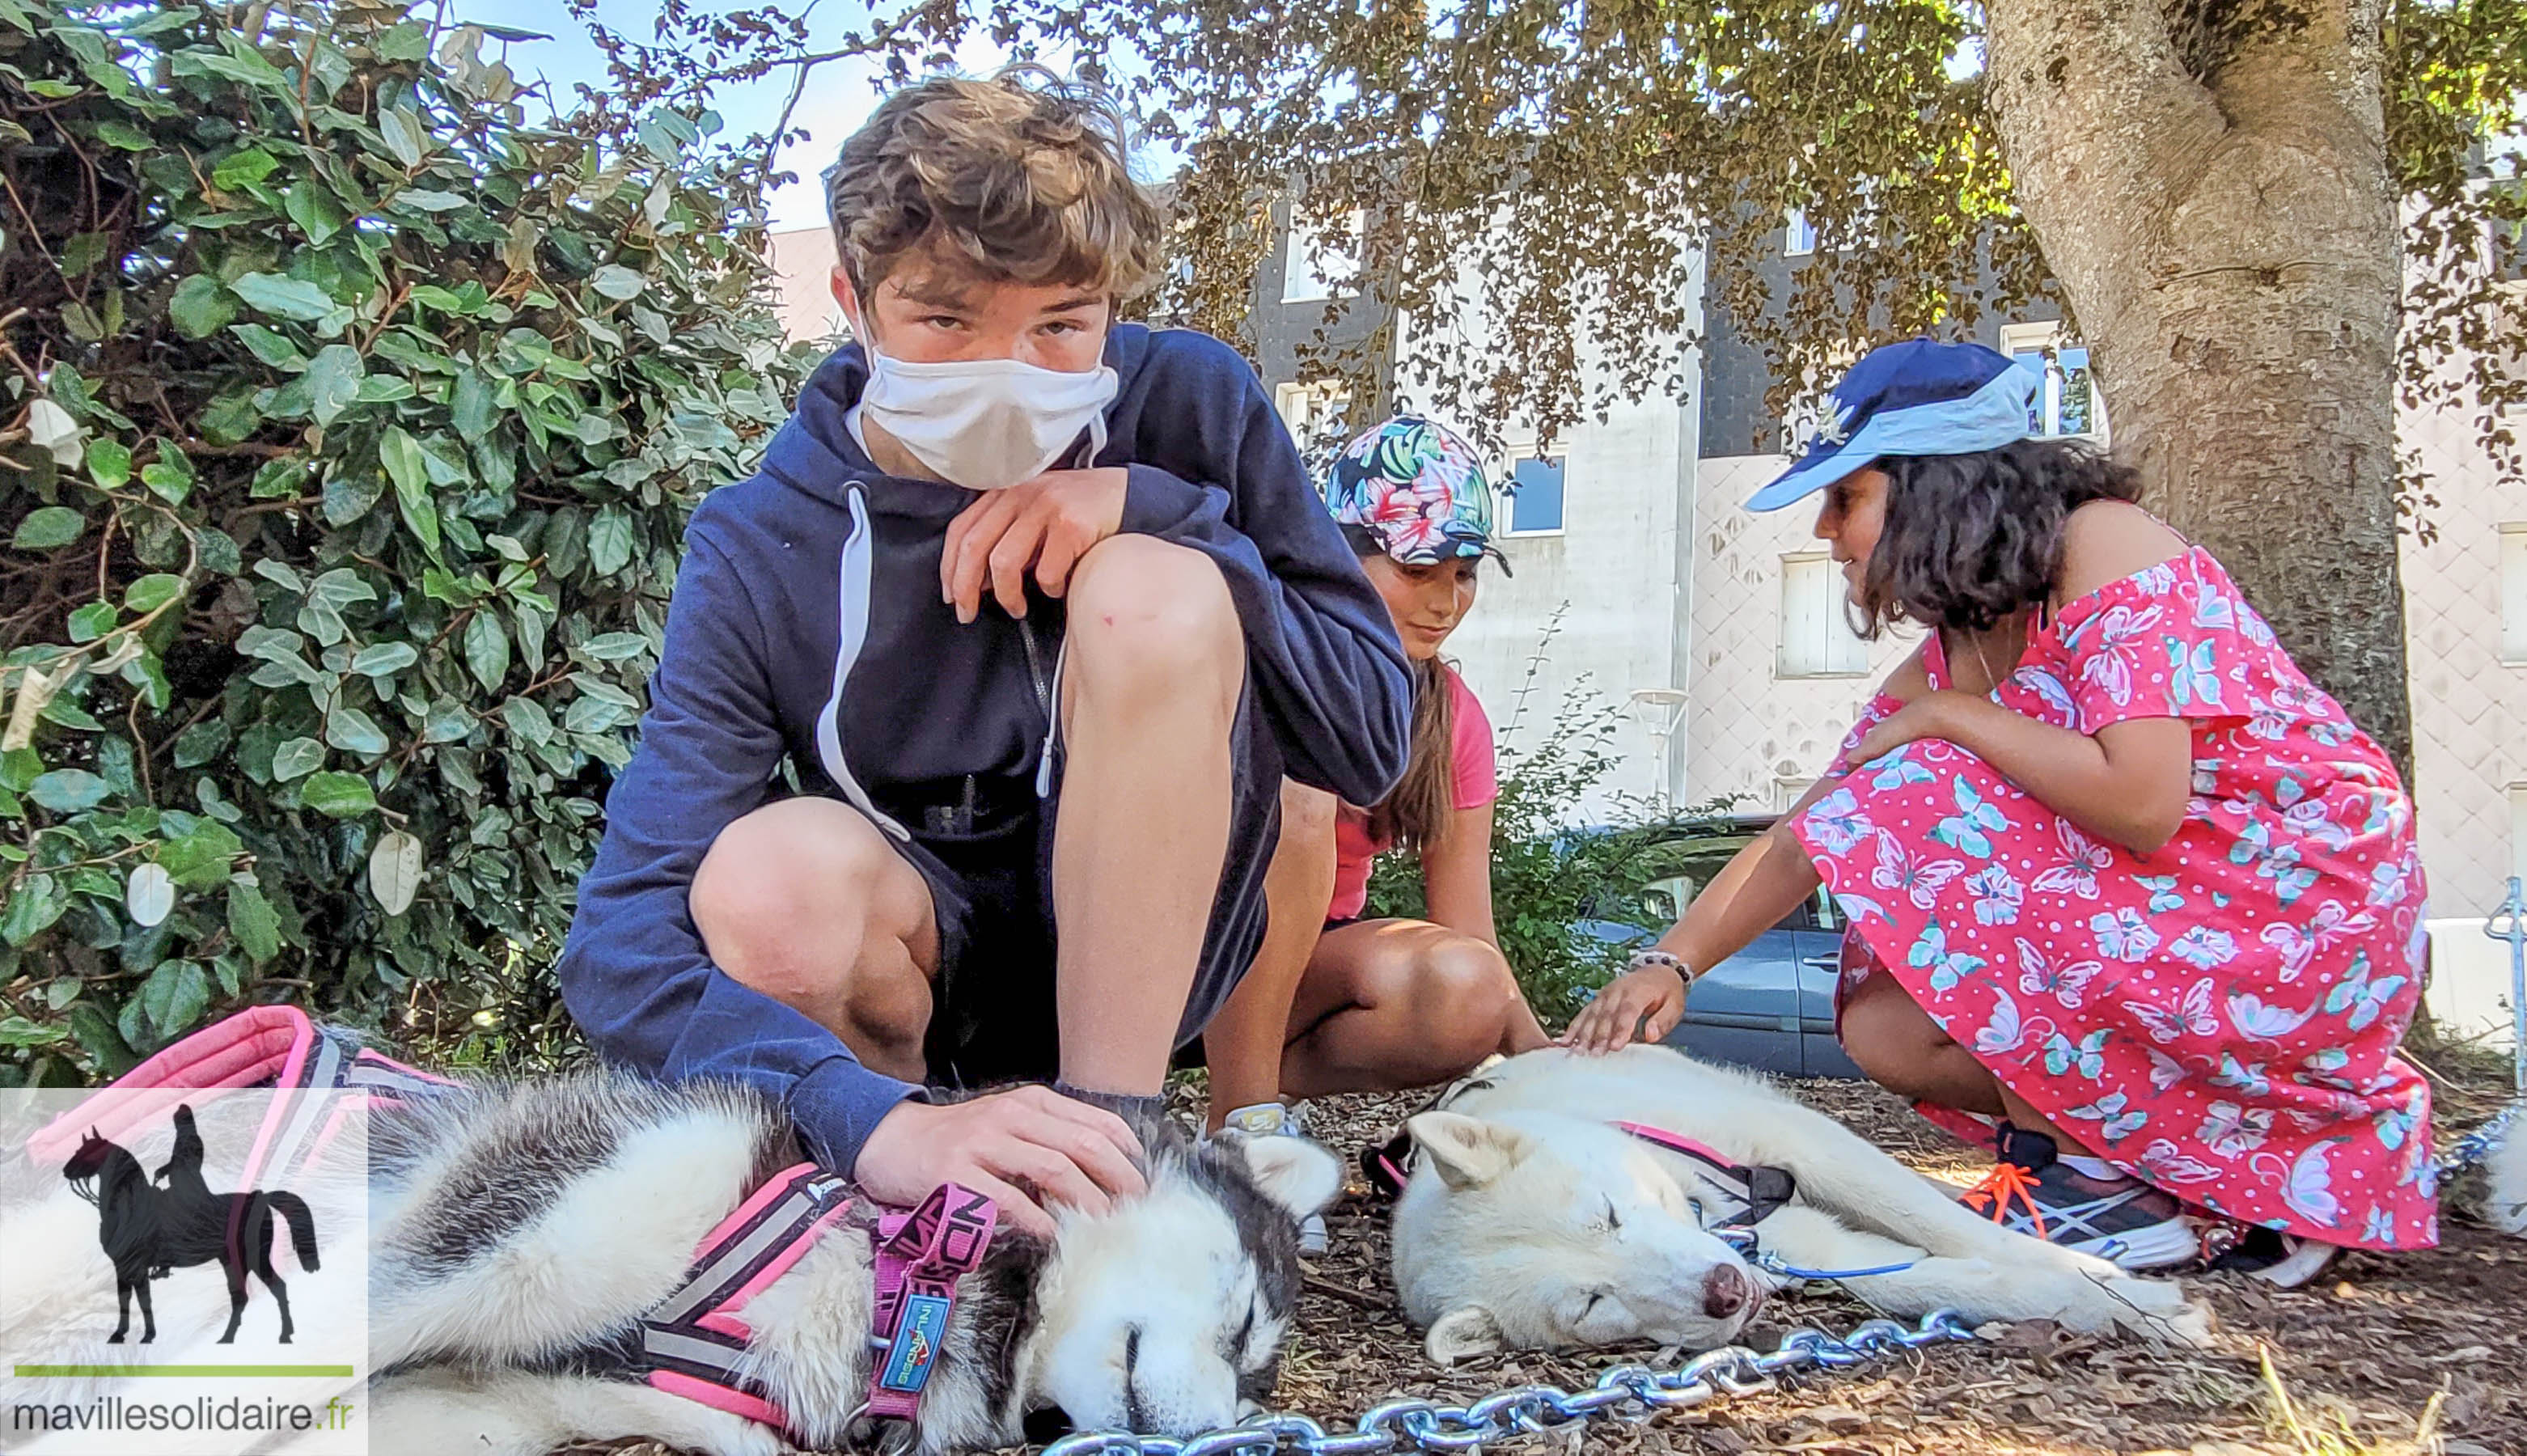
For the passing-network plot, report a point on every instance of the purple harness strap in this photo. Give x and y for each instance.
(920, 1256)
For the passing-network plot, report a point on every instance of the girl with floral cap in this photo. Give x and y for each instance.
(1339, 1003)
(2131, 900)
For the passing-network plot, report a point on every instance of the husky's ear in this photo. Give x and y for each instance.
(1469, 1152)
(1462, 1333)
(1294, 1173)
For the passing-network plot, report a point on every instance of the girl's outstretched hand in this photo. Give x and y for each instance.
(1642, 1004)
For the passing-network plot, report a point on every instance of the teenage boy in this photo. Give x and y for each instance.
(1041, 608)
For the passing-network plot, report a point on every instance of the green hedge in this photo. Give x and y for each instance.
(348, 425)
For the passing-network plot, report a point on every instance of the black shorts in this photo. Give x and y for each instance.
(985, 849)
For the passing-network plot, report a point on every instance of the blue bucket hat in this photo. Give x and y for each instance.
(1917, 397)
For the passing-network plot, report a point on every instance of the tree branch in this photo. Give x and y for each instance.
(2092, 95)
(2297, 71)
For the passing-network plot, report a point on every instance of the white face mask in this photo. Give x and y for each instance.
(986, 424)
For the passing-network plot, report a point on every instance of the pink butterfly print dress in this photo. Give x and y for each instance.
(2220, 1018)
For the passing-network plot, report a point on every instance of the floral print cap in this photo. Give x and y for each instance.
(1419, 488)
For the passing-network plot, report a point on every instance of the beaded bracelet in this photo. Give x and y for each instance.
(1641, 959)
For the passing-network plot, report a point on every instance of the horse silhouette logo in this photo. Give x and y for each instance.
(150, 1229)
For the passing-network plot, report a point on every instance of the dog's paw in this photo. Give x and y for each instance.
(2160, 1308)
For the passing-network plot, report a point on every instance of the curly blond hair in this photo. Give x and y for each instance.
(1019, 178)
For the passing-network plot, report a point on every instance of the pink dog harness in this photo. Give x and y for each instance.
(263, 1046)
(694, 1342)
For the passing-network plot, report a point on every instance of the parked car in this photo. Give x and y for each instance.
(1768, 1007)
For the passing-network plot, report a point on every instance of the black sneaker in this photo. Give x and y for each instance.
(2283, 1260)
(2121, 1219)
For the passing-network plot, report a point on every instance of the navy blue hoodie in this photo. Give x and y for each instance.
(806, 625)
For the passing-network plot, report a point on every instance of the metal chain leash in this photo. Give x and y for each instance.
(1624, 1392)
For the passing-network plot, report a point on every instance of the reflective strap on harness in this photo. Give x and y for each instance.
(1759, 1192)
(694, 1342)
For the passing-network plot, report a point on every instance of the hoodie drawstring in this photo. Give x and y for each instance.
(857, 555)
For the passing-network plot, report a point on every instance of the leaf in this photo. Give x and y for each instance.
(34, 905)
(487, 651)
(49, 427)
(202, 856)
(385, 659)
(239, 169)
(152, 592)
(339, 796)
(296, 759)
(470, 405)
(394, 871)
(202, 742)
(528, 720)
(149, 895)
(68, 791)
(609, 541)
(615, 646)
(312, 207)
(175, 996)
(200, 306)
(47, 528)
(405, 136)
(252, 921)
(94, 621)
(617, 282)
(17, 1031)
(333, 382)
(410, 473)
(354, 732)
(284, 297)
(273, 348)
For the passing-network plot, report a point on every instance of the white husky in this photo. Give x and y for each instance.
(520, 1234)
(1531, 1221)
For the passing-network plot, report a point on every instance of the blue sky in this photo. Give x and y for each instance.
(839, 95)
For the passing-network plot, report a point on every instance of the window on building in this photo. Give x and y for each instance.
(1817, 640)
(1799, 238)
(1314, 414)
(1315, 265)
(2068, 402)
(2513, 593)
(1532, 501)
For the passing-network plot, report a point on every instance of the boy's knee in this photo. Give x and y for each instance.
(774, 881)
(1146, 613)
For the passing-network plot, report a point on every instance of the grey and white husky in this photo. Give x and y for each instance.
(521, 1231)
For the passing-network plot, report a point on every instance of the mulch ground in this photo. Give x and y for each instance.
(2376, 1348)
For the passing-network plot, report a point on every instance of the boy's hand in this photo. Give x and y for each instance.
(1047, 523)
(1022, 1149)
(1642, 1004)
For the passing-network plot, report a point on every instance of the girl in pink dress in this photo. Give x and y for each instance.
(2130, 898)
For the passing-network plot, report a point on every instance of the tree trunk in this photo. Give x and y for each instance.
(2226, 235)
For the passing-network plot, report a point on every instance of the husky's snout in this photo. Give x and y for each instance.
(1727, 1292)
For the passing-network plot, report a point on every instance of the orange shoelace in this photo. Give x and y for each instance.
(2006, 1181)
